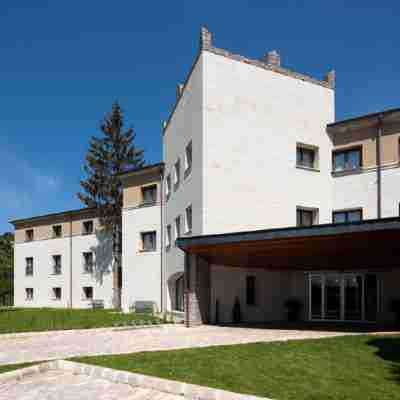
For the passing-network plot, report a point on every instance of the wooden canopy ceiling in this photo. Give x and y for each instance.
(370, 244)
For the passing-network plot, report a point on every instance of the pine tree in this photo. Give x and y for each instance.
(108, 156)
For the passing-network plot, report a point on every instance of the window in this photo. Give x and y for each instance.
(347, 160)
(88, 262)
(188, 220)
(149, 241)
(29, 293)
(57, 231)
(179, 293)
(87, 292)
(346, 216)
(29, 235)
(306, 217)
(168, 186)
(57, 265)
(149, 195)
(87, 227)
(57, 293)
(168, 237)
(177, 173)
(306, 157)
(250, 290)
(177, 228)
(29, 266)
(188, 159)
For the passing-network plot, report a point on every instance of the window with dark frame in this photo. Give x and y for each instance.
(168, 237)
(188, 158)
(346, 160)
(29, 293)
(179, 294)
(87, 292)
(346, 216)
(168, 186)
(57, 293)
(177, 173)
(305, 217)
(88, 262)
(29, 235)
(29, 266)
(250, 290)
(149, 195)
(305, 157)
(188, 220)
(149, 241)
(57, 265)
(87, 227)
(57, 231)
(177, 228)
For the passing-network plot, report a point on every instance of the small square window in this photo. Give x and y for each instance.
(177, 228)
(57, 231)
(29, 266)
(87, 227)
(188, 159)
(57, 265)
(177, 173)
(168, 237)
(88, 262)
(343, 217)
(306, 217)
(306, 156)
(346, 160)
(188, 219)
(29, 235)
(87, 292)
(29, 294)
(149, 241)
(149, 195)
(57, 293)
(168, 186)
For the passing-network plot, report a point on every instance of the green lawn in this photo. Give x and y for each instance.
(45, 319)
(13, 367)
(356, 368)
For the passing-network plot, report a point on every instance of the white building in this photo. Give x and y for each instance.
(249, 145)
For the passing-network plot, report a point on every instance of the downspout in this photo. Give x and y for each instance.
(162, 305)
(379, 166)
(70, 261)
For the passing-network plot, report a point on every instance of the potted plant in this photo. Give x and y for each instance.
(293, 307)
(395, 308)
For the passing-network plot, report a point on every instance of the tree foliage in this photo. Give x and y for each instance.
(108, 156)
(6, 262)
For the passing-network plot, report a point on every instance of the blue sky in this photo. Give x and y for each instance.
(62, 63)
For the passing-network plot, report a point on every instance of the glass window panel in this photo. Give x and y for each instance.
(354, 216)
(353, 297)
(338, 161)
(316, 297)
(353, 159)
(332, 297)
(339, 217)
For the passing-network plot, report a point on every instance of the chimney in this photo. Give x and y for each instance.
(330, 77)
(205, 38)
(273, 58)
(179, 90)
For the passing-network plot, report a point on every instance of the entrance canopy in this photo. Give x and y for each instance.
(358, 245)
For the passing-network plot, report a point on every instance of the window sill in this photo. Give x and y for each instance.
(147, 251)
(87, 233)
(28, 299)
(56, 274)
(187, 233)
(345, 172)
(87, 272)
(56, 299)
(144, 205)
(28, 275)
(308, 168)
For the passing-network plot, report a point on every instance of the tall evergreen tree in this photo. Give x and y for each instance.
(108, 156)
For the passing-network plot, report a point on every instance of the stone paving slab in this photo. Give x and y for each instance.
(52, 346)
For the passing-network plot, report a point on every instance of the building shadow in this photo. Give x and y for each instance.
(388, 349)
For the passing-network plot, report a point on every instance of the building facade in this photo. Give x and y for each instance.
(251, 145)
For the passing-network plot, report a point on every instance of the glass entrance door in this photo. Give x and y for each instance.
(343, 296)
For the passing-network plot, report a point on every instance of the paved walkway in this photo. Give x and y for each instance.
(53, 345)
(64, 385)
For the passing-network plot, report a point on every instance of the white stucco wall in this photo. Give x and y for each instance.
(184, 126)
(253, 119)
(43, 279)
(272, 289)
(360, 191)
(141, 271)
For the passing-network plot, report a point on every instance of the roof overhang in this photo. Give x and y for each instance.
(155, 169)
(386, 118)
(365, 244)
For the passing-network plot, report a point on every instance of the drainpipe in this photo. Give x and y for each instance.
(379, 166)
(162, 301)
(70, 261)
